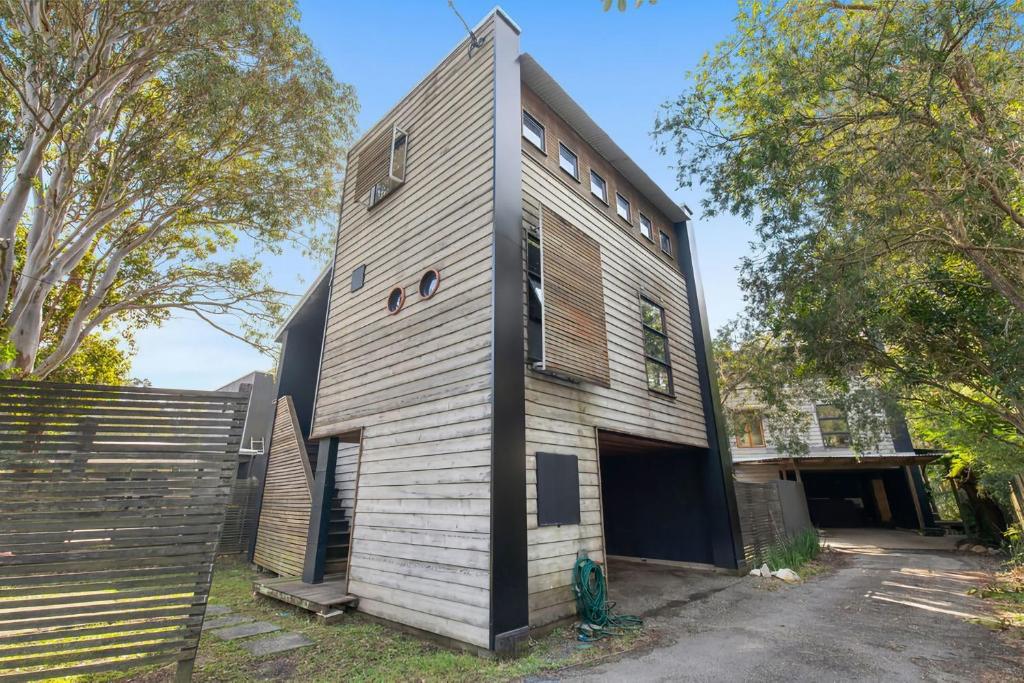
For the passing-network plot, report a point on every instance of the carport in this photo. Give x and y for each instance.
(881, 492)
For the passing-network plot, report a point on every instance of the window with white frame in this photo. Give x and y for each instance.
(622, 207)
(598, 187)
(568, 161)
(533, 131)
(646, 227)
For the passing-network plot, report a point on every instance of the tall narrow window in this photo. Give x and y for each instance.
(835, 430)
(666, 242)
(659, 366)
(598, 187)
(535, 312)
(533, 131)
(749, 432)
(622, 208)
(568, 161)
(646, 227)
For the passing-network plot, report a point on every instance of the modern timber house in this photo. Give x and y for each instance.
(506, 365)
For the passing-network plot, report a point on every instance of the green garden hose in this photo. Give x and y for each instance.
(595, 611)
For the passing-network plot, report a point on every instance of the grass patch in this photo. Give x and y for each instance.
(793, 553)
(360, 650)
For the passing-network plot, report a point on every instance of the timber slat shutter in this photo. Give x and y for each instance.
(575, 332)
(373, 162)
(287, 498)
(112, 502)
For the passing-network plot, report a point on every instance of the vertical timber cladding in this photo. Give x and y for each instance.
(575, 338)
(112, 500)
(284, 514)
(418, 383)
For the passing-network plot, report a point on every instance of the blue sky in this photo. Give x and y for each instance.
(620, 67)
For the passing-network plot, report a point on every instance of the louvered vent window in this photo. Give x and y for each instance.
(381, 166)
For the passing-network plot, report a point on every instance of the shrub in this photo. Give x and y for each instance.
(793, 552)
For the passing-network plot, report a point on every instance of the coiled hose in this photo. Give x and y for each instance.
(595, 611)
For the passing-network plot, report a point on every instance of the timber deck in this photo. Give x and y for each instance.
(326, 599)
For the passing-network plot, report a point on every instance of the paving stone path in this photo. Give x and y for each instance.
(227, 625)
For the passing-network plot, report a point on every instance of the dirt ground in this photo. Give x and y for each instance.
(894, 606)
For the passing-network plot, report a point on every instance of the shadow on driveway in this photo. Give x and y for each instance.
(898, 609)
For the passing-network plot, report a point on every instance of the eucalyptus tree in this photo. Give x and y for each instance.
(149, 150)
(878, 148)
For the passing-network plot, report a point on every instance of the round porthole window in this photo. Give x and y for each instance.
(395, 300)
(429, 283)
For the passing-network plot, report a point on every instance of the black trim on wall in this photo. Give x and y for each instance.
(509, 608)
(726, 539)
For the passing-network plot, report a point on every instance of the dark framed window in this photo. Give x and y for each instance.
(396, 299)
(598, 187)
(835, 430)
(622, 208)
(533, 131)
(429, 283)
(646, 227)
(535, 302)
(666, 242)
(568, 161)
(749, 429)
(656, 356)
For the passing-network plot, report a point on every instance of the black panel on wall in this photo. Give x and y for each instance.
(558, 489)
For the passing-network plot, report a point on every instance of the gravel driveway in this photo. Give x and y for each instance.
(896, 608)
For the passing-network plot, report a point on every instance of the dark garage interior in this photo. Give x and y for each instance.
(858, 498)
(654, 500)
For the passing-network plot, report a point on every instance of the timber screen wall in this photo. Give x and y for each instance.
(112, 500)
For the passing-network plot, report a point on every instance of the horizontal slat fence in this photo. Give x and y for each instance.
(112, 500)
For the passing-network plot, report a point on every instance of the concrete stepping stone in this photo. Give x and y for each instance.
(245, 630)
(217, 610)
(227, 620)
(275, 644)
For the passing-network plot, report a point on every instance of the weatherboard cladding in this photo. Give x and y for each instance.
(418, 382)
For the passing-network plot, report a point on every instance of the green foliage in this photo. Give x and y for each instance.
(150, 154)
(1014, 546)
(876, 148)
(793, 553)
(622, 4)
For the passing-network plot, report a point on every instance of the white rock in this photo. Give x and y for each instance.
(755, 572)
(765, 571)
(979, 549)
(787, 575)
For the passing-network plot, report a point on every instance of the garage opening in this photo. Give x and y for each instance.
(858, 498)
(654, 500)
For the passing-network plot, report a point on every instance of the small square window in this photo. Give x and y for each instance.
(598, 187)
(568, 161)
(622, 207)
(533, 131)
(646, 227)
(666, 242)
